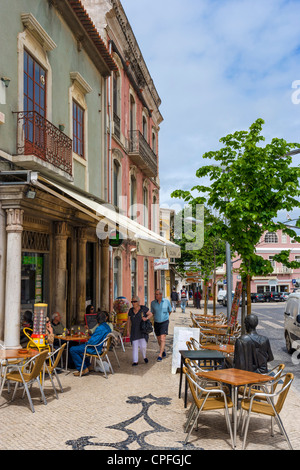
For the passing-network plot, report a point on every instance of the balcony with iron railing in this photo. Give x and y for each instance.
(42, 146)
(142, 154)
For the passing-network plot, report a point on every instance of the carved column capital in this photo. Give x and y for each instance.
(81, 233)
(14, 220)
(61, 229)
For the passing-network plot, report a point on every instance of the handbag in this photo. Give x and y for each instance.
(146, 327)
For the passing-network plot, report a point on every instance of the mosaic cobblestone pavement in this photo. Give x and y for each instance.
(135, 408)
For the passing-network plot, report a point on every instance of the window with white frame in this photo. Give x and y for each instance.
(271, 237)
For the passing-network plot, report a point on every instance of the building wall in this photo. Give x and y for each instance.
(60, 62)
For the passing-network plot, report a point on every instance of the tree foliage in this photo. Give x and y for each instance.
(249, 184)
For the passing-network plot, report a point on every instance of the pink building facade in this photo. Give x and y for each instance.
(282, 279)
(132, 172)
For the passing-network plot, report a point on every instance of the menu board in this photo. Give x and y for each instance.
(181, 336)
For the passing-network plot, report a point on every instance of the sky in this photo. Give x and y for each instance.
(217, 65)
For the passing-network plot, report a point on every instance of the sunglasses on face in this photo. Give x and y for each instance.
(133, 301)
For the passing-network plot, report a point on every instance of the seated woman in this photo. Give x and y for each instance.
(26, 323)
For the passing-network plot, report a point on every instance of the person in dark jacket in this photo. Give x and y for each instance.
(136, 315)
(174, 299)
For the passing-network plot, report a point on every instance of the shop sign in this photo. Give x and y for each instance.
(161, 264)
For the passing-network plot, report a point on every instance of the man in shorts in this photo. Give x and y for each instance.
(161, 310)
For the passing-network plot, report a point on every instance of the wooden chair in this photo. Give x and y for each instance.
(19, 376)
(206, 399)
(105, 344)
(264, 403)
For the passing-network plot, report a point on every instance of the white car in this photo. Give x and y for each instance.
(292, 322)
(221, 295)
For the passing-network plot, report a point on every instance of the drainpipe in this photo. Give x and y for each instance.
(110, 134)
(110, 184)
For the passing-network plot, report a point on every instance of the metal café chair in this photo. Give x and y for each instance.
(51, 368)
(105, 344)
(206, 399)
(264, 403)
(20, 376)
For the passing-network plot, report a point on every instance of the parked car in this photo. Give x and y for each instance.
(221, 295)
(256, 297)
(284, 296)
(292, 322)
(272, 297)
(224, 301)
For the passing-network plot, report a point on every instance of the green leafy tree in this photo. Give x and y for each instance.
(249, 185)
(208, 249)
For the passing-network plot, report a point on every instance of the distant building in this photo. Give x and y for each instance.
(282, 279)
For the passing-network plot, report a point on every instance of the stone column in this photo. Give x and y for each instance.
(105, 275)
(60, 293)
(14, 228)
(81, 273)
(3, 237)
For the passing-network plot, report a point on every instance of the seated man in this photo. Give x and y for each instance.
(98, 336)
(252, 351)
(57, 326)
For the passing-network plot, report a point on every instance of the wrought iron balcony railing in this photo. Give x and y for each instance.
(39, 137)
(142, 154)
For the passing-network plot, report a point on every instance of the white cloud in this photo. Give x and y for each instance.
(217, 66)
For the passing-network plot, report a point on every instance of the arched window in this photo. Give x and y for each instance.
(154, 142)
(145, 204)
(116, 182)
(133, 277)
(116, 94)
(132, 197)
(271, 237)
(132, 124)
(154, 214)
(145, 133)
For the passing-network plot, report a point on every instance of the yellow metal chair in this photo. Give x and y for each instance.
(264, 403)
(19, 376)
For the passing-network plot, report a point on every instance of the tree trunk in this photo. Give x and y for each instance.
(205, 297)
(248, 294)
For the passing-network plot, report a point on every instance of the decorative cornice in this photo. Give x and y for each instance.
(31, 23)
(80, 81)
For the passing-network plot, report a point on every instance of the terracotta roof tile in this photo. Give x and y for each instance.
(91, 30)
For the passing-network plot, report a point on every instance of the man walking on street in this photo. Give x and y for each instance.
(161, 310)
(183, 298)
(174, 299)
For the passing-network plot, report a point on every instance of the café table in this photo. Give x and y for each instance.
(236, 378)
(7, 355)
(76, 338)
(215, 358)
(224, 348)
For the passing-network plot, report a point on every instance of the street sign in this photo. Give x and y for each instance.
(193, 279)
(192, 273)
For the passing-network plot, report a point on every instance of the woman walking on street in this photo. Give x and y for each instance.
(136, 315)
